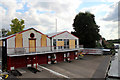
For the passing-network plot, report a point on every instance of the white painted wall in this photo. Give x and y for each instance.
(10, 45)
(26, 36)
(65, 35)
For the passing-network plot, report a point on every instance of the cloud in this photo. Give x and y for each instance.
(108, 28)
(41, 14)
(98, 9)
(100, 0)
(113, 14)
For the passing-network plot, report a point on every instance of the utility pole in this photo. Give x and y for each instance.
(56, 34)
(56, 25)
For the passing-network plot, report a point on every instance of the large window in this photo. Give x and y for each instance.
(65, 43)
(54, 43)
(68, 43)
(76, 43)
(59, 47)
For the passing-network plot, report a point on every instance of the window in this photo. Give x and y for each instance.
(76, 43)
(59, 39)
(59, 47)
(18, 41)
(54, 43)
(32, 35)
(68, 43)
(43, 41)
(65, 43)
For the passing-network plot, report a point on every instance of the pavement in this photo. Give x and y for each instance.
(114, 68)
(91, 66)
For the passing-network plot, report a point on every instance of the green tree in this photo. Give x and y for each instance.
(86, 29)
(16, 26)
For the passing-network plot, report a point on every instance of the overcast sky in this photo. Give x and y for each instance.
(42, 14)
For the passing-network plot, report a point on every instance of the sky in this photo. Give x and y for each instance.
(42, 14)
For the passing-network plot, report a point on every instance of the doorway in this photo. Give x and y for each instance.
(32, 45)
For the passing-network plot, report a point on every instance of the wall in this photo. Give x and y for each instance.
(26, 36)
(65, 35)
(10, 45)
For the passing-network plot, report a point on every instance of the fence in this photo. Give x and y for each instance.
(92, 51)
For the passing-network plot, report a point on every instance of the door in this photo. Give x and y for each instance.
(72, 55)
(31, 61)
(42, 59)
(60, 57)
(32, 45)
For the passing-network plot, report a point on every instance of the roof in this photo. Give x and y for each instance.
(58, 33)
(52, 34)
(7, 36)
(19, 33)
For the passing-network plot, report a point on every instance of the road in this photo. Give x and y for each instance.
(90, 67)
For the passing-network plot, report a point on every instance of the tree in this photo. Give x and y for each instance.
(16, 26)
(86, 29)
(3, 32)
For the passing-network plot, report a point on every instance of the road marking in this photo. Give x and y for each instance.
(56, 73)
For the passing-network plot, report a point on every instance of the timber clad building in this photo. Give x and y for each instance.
(31, 48)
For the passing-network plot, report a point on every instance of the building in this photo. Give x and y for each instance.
(64, 41)
(31, 48)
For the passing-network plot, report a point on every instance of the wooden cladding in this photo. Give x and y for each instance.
(32, 45)
(71, 44)
(60, 43)
(43, 41)
(18, 41)
(1, 43)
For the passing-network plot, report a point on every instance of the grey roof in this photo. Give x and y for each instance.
(15, 34)
(53, 34)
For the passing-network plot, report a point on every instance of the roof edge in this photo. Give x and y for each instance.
(25, 31)
(62, 33)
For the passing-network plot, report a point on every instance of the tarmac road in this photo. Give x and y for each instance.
(90, 67)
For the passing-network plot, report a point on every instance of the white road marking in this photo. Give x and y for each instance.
(56, 73)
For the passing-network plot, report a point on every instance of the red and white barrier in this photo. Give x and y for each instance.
(65, 56)
(68, 56)
(76, 53)
(49, 59)
(55, 58)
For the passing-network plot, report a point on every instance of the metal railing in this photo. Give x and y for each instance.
(93, 51)
(39, 49)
